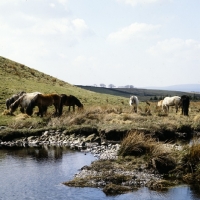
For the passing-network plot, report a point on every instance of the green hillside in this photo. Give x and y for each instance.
(16, 77)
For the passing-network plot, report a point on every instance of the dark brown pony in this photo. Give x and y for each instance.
(43, 101)
(185, 103)
(69, 101)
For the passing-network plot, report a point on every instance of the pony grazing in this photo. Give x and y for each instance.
(12, 99)
(43, 101)
(159, 104)
(70, 101)
(171, 101)
(185, 102)
(22, 102)
(133, 101)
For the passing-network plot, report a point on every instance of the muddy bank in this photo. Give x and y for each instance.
(113, 173)
(108, 133)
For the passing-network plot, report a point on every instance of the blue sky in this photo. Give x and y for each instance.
(122, 42)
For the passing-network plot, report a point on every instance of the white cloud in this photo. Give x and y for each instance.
(177, 48)
(135, 30)
(144, 2)
(83, 61)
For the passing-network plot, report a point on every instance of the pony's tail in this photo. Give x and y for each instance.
(29, 109)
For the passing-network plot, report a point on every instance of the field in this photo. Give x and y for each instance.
(102, 106)
(108, 110)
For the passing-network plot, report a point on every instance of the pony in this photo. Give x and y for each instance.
(12, 99)
(133, 101)
(70, 101)
(159, 104)
(171, 101)
(185, 102)
(43, 101)
(22, 101)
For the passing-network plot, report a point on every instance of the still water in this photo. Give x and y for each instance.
(38, 173)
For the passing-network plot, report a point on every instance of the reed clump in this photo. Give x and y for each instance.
(136, 143)
(159, 156)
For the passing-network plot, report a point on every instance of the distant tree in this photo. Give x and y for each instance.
(111, 86)
(131, 86)
(102, 85)
(155, 98)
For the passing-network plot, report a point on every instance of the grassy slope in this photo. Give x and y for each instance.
(15, 77)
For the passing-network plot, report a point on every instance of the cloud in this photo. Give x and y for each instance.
(177, 48)
(135, 30)
(144, 2)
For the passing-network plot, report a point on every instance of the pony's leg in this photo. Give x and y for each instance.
(69, 108)
(73, 108)
(22, 110)
(40, 111)
(167, 109)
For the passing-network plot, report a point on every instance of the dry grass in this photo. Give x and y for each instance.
(136, 143)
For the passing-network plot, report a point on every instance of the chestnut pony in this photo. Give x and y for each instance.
(43, 101)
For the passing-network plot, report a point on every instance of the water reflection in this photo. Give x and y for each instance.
(38, 173)
(39, 153)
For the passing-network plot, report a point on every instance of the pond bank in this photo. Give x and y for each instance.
(114, 174)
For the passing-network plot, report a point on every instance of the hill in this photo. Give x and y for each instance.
(192, 88)
(16, 77)
(143, 94)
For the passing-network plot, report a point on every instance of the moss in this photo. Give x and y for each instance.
(113, 189)
(161, 184)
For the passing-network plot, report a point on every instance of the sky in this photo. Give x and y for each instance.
(142, 43)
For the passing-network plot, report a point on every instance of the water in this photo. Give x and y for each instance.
(38, 173)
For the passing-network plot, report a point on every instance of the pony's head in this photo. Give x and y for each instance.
(7, 103)
(14, 106)
(80, 107)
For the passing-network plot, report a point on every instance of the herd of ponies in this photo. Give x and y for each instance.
(27, 101)
(183, 102)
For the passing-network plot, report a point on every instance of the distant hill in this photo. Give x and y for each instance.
(193, 88)
(143, 94)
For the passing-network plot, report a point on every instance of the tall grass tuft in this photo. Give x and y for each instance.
(136, 143)
(192, 155)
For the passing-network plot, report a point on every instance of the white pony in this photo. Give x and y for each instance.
(134, 102)
(171, 101)
(23, 102)
(159, 104)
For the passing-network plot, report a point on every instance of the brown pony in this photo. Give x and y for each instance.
(69, 101)
(43, 101)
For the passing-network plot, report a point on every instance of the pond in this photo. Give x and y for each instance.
(38, 173)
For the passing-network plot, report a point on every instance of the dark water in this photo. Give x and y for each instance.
(38, 173)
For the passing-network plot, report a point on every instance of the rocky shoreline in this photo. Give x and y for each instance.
(114, 174)
(103, 151)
